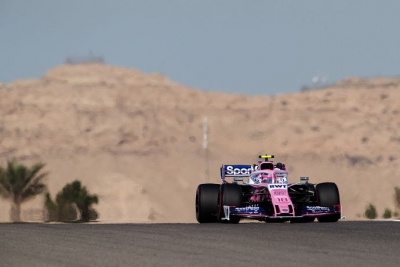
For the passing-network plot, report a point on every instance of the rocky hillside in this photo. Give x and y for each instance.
(136, 139)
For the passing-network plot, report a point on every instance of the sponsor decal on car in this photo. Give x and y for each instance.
(279, 192)
(317, 209)
(249, 210)
(277, 186)
(237, 170)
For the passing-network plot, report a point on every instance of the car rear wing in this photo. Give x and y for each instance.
(235, 171)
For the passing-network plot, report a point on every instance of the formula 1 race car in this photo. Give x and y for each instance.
(266, 196)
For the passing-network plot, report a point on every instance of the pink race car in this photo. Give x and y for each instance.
(266, 195)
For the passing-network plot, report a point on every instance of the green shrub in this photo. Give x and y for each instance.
(72, 203)
(51, 208)
(370, 212)
(395, 214)
(387, 214)
(397, 197)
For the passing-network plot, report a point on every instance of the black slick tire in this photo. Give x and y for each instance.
(207, 203)
(328, 196)
(229, 195)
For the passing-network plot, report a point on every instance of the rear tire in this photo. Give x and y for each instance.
(328, 196)
(229, 195)
(207, 203)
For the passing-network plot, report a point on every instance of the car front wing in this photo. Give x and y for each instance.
(257, 212)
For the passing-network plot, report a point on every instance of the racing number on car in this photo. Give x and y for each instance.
(282, 199)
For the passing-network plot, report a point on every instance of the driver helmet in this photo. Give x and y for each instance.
(266, 178)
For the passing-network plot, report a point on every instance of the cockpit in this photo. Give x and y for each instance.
(268, 177)
(261, 177)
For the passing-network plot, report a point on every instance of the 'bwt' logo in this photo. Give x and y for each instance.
(237, 171)
(277, 186)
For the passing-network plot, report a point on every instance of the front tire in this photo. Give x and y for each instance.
(328, 196)
(229, 195)
(207, 203)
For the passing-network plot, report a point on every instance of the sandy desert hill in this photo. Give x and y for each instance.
(136, 139)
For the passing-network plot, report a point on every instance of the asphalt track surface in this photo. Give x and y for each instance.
(245, 244)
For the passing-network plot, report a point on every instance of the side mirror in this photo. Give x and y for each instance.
(304, 178)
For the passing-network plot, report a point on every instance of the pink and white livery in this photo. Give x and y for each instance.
(262, 192)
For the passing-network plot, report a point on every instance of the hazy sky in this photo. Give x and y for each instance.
(245, 46)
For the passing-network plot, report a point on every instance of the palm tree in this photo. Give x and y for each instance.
(19, 183)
